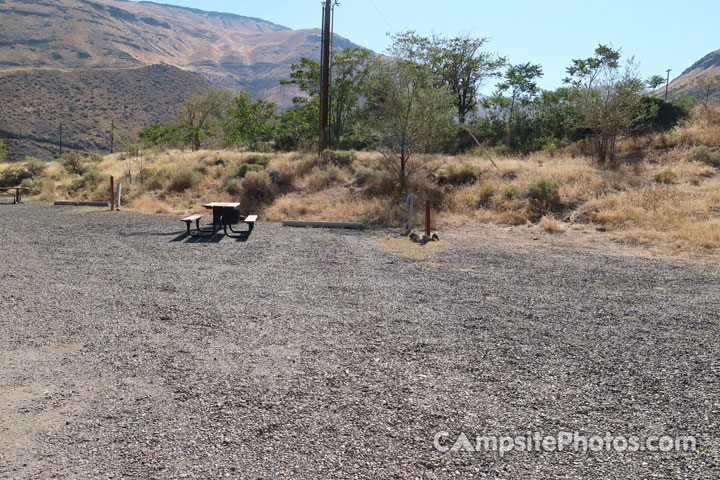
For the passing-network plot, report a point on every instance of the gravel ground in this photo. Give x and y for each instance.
(129, 351)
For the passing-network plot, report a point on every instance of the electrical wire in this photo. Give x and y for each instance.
(382, 16)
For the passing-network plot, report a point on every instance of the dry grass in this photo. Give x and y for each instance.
(551, 225)
(639, 203)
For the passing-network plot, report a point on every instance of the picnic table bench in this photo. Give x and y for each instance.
(17, 198)
(225, 215)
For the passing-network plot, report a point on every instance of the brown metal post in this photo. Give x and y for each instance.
(427, 217)
(112, 193)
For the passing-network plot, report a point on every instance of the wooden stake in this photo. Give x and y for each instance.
(112, 193)
(427, 217)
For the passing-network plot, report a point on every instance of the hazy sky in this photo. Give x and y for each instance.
(659, 34)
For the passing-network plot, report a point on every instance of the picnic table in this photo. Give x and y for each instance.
(16, 196)
(225, 215)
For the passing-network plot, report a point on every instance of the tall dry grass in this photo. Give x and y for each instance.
(629, 202)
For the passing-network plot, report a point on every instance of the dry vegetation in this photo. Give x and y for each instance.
(667, 193)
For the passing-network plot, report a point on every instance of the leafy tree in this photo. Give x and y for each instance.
(706, 85)
(409, 114)
(201, 113)
(249, 123)
(3, 151)
(519, 80)
(457, 63)
(351, 69)
(158, 135)
(654, 82)
(606, 98)
(297, 128)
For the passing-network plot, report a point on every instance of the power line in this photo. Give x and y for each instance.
(271, 8)
(382, 16)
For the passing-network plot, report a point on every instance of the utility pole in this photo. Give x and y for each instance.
(325, 69)
(667, 83)
(112, 136)
(61, 141)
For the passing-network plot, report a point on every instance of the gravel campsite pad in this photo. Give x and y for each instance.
(129, 351)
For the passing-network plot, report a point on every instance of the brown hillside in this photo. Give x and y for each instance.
(708, 66)
(36, 101)
(228, 50)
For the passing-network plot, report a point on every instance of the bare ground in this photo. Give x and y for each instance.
(130, 352)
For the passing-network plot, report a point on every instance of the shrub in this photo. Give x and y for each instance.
(281, 178)
(35, 166)
(380, 184)
(13, 177)
(511, 192)
(257, 159)
(666, 177)
(453, 175)
(701, 153)
(338, 158)
(233, 187)
(244, 168)
(326, 177)
(257, 189)
(364, 174)
(33, 185)
(152, 179)
(544, 194)
(183, 180)
(485, 193)
(89, 180)
(74, 163)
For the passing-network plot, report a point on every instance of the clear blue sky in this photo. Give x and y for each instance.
(659, 34)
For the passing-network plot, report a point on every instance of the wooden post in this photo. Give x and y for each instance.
(427, 217)
(112, 193)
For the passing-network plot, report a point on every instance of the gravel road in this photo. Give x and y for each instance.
(128, 351)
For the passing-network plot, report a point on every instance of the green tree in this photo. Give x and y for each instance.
(351, 69)
(654, 82)
(457, 63)
(249, 122)
(201, 113)
(297, 128)
(3, 151)
(519, 81)
(707, 85)
(160, 136)
(409, 114)
(607, 100)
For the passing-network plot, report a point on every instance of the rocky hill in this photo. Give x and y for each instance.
(228, 50)
(81, 61)
(708, 66)
(86, 102)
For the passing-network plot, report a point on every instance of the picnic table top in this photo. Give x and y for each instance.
(222, 204)
(13, 188)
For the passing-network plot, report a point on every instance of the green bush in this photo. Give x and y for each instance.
(244, 168)
(12, 177)
(33, 185)
(544, 194)
(511, 193)
(364, 174)
(666, 177)
(257, 159)
(454, 175)
(701, 153)
(183, 180)
(35, 166)
(74, 163)
(152, 179)
(89, 180)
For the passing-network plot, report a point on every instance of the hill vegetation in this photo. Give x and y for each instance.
(665, 195)
(87, 103)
